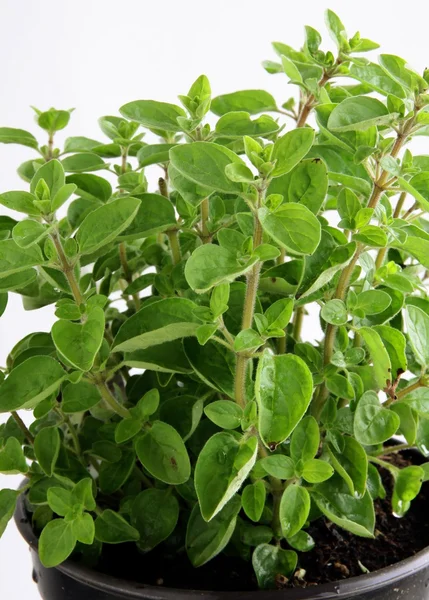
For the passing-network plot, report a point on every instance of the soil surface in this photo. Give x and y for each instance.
(337, 554)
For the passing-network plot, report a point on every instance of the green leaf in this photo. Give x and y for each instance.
(21, 202)
(30, 382)
(418, 400)
(293, 227)
(270, 562)
(204, 540)
(52, 173)
(251, 101)
(154, 514)
(183, 413)
(358, 113)
(222, 466)
(224, 413)
(26, 233)
(315, 470)
(278, 465)
(305, 439)
(336, 29)
(291, 69)
(373, 302)
(418, 186)
(238, 123)
(158, 322)
(335, 312)
(154, 115)
(279, 313)
(83, 162)
(9, 135)
(294, 509)
(162, 452)
(8, 500)
(353, 514)
(395, 343)
(377, 79)
(114, 475)
(82, 493)
(79, 397)
(79, 343)
(253, 500)
(84, 528)
(154, 154)
(213, 364)
(409, 482)
(3, 303)
(105, 223)
(204, 163)
(112, 528)
(396, 68)
(155, 214)
(12, 459)
(248, 339)
(56, 542)
(127, 429)
(352, 464)
(340, 386)
(210, 265)
(283, 388)
(379, 355)
(417, 322)
(14, 259)
(165, 358)
(372, 236)
(91, 187)
(374, 424)
(307, 184)
(47, 444)
(290, 149)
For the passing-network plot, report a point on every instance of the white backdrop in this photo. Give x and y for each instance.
(96, 55)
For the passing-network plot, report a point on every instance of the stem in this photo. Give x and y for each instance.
(71, 429)
(110, 399)
(383, 251)
(297, 323)
(67, 269)
(410, 388)
(308, 106)
(344, 282)
(172, 234)
(128, 276)
(50, 146)
(173, 238)
(398, 448)
(384, 464)
(248, 312)
(206, 236)
(23, 427)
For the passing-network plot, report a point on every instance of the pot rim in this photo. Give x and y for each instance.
(341, 590)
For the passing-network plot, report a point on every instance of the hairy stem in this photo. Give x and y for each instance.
(381, 255)
(206, 236)
(110, 399)
(347, 273)
(173, 238)
(23, 427)
(248, 312)
(68, 269)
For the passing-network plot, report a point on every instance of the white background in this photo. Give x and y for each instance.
(95, 55)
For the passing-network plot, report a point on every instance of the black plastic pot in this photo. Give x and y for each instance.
(408, 580)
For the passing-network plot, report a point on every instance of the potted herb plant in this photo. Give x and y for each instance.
(187, 435)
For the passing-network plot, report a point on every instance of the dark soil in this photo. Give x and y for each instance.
(337, 554)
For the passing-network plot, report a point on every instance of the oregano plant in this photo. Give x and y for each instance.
(176, 399)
